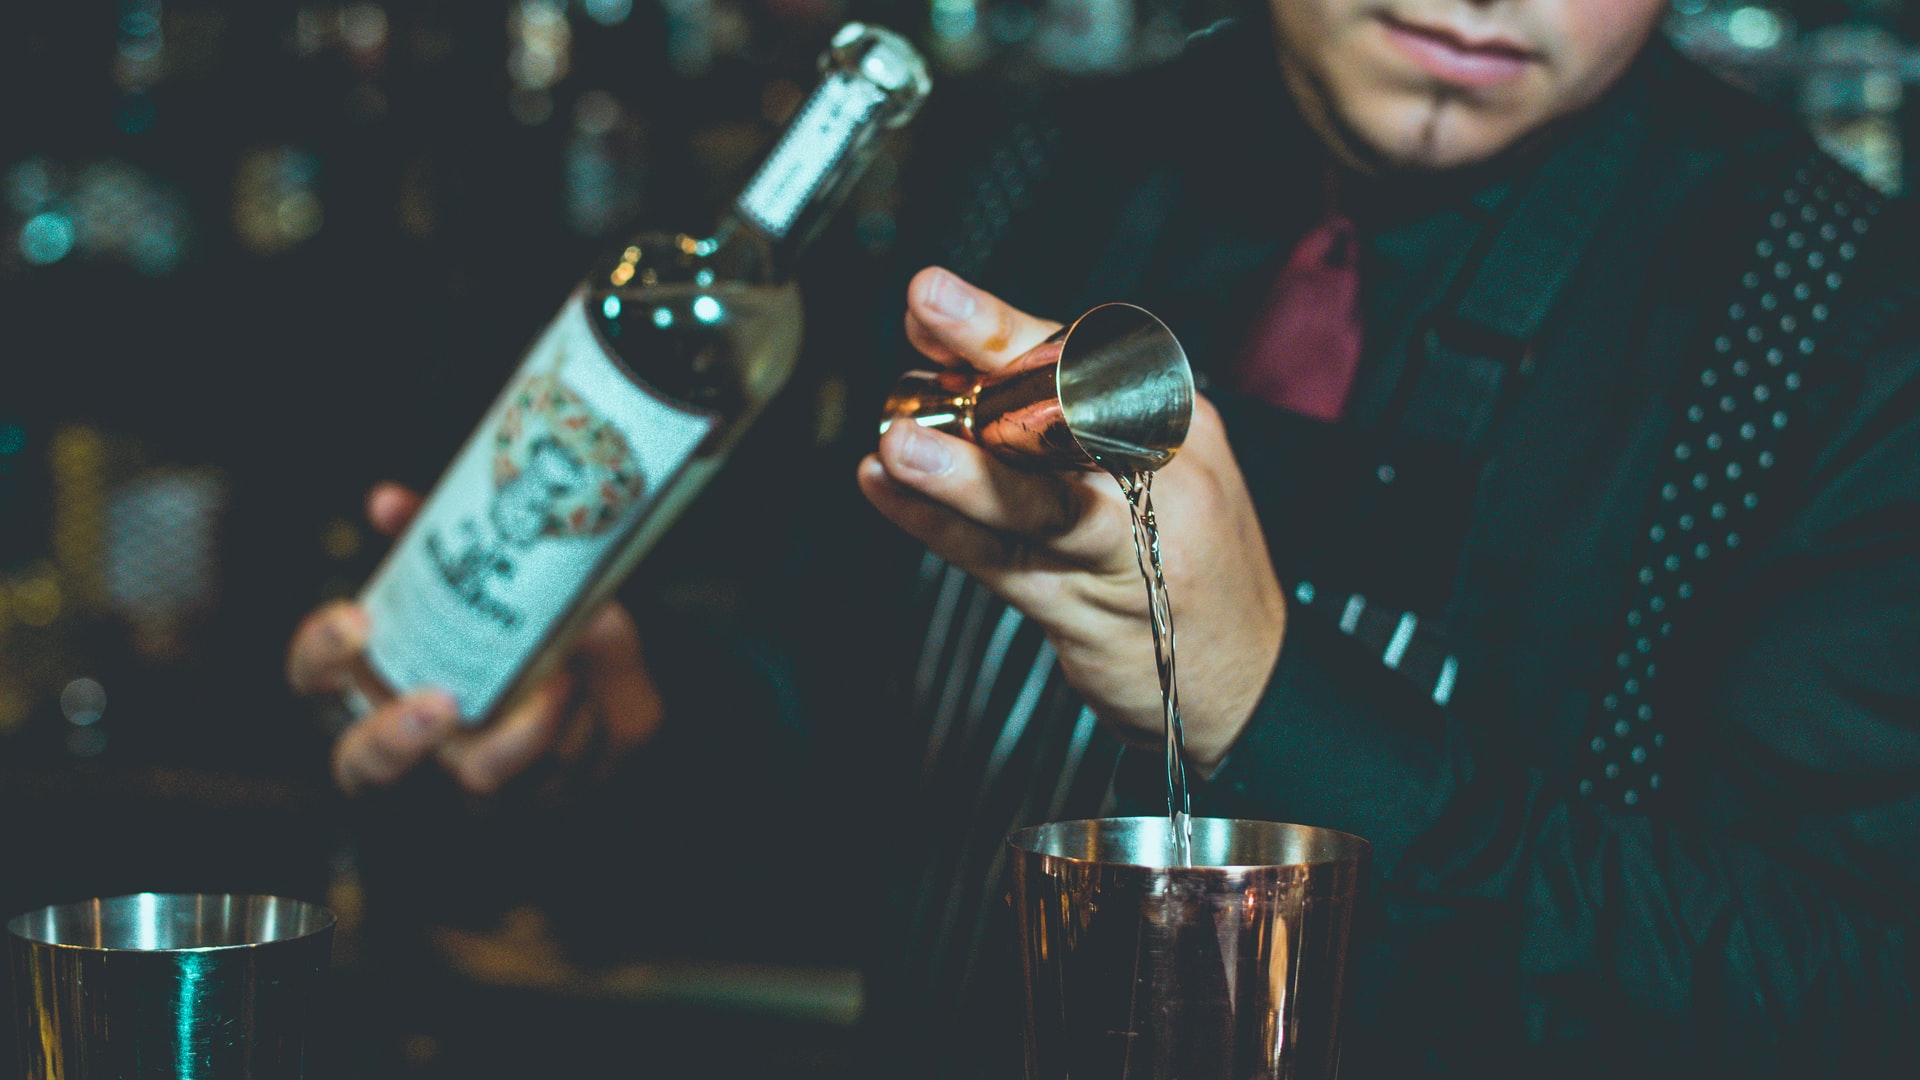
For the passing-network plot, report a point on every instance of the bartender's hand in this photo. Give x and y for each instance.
(1059, 546)
(600, 705)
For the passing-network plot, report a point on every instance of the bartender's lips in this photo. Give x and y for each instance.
(1454, 56)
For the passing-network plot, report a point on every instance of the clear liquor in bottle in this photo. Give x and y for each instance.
(622, 410)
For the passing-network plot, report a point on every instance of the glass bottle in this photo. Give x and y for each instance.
(624, 407)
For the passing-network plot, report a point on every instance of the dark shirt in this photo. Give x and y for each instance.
(1751, 913)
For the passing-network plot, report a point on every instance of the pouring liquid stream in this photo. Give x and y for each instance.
(1138, 488)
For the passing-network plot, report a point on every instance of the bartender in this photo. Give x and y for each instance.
(1548, 519)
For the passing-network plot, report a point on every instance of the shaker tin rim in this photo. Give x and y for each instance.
(1356, 849)
(20, 926)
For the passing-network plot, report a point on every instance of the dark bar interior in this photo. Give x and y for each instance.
(258, 257)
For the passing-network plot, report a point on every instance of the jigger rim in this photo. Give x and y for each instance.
(1326, 847)
(1183, 369)
(311, 920)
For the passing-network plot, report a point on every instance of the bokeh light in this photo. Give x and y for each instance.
(1756, 28)
(608, 12)
(83, 702)
(46, 238)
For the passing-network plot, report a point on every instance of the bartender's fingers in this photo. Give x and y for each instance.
(1058, 513)
(966, 544)
(1001, 559)
(483, 762)
(952, 322)
(323, 648)
(391, 506)
(382, 746)
(609, 657)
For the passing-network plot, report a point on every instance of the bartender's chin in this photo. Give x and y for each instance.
(1431, 135)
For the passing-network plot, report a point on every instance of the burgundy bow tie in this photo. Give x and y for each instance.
(1305, 344)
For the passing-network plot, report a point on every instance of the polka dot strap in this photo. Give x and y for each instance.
(1731, 423)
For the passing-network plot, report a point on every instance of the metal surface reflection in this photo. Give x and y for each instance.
(1136, 967)
(183, 986)
(1112, 391)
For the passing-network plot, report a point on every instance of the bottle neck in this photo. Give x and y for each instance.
(817, 161)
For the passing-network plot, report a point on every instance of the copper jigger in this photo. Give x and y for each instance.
(1110, 391)
(1232, 968)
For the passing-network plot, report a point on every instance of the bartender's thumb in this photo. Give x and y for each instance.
(954, 323)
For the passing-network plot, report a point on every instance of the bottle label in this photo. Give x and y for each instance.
(566, 463)
(806, 155)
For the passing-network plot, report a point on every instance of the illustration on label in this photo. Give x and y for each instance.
(557, 476)
(559, 471)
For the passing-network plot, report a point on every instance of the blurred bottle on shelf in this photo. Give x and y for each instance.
(1852, 95)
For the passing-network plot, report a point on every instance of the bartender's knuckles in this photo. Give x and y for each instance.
(483, 761)
(1029, 515)
(391, 506)
(380, 747)
(325, 642)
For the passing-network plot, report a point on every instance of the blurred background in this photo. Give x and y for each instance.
(241, 244)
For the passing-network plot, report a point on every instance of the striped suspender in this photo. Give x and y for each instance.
(1473, 352)
(1403, 643)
